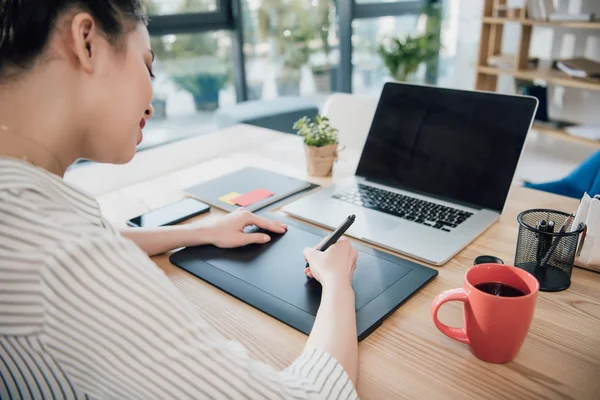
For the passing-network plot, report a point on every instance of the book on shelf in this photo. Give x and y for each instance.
(502, 61)
(579, 67)
(544, 10)
(539, 9)
(508, 61)
(533, 9)
(564, 17)
(505, 11)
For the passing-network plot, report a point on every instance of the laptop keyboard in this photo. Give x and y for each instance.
(412, 209)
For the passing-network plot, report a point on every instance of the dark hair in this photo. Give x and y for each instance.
(26, 25)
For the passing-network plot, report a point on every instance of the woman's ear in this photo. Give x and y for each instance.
(84, 34)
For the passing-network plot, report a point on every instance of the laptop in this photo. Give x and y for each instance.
(434, 173)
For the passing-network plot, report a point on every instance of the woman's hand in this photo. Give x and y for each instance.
(225, 232)
(228, 231)
(336, 265)
(334, 330)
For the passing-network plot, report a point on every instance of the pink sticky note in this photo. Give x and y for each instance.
(252, 197)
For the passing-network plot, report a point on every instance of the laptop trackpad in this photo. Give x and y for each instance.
(268, 268)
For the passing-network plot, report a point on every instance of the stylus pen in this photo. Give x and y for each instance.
(334, 237)
(555, 241)
(542, 248)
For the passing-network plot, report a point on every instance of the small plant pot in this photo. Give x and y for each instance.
(325, 79)
(288, 84)
(204, 88)
(160, 108)
(255, 90)
(288, 87)
(319, 160)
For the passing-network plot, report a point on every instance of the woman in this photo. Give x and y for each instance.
(76, 319)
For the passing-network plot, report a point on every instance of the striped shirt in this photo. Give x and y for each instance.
(77, 321)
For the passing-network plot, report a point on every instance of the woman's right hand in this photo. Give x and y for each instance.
(334, 266)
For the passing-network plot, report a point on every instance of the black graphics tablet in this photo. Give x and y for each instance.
(270, 277)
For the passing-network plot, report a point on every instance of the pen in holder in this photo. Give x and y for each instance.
(546, 247)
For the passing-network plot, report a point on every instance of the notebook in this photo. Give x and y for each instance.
(580, 67)
(252, 188)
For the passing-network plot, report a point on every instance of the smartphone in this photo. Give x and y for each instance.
(171, 214)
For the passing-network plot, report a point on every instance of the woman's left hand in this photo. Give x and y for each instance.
(228, 231)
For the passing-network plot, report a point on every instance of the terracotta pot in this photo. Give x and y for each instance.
(319, 160)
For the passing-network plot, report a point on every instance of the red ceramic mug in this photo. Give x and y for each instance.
(495, 325)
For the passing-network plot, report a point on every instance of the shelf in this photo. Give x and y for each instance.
(564, 24)
(551, 76)
(553, 24)
(563, 135)
(499, 20)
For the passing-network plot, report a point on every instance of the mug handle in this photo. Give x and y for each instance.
(450, 295)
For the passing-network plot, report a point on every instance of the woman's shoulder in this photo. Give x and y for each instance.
(38, 209)
(34, 221)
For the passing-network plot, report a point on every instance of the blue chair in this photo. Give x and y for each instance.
(585, 178)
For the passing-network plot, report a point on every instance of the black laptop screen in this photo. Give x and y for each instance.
(450, 144)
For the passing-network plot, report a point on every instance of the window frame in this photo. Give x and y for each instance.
(228, 16)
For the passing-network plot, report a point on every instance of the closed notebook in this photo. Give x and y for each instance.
(580, 67)
(252, 188)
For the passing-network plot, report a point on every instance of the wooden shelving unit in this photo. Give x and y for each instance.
(492, 29)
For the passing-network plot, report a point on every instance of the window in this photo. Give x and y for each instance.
(285, 48)
(381, 1)
(290, 48)
(193, 79)
(168, 7)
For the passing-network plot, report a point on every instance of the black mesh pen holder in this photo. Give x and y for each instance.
(543, 251)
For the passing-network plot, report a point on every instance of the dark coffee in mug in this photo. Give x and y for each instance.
(499, 289)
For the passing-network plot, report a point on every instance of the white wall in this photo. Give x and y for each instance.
(460, 40)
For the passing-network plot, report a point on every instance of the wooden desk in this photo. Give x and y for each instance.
(407, 357)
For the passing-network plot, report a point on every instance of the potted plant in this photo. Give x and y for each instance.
(296, 54)
(204, 88)
(320, 144)
(159, 103)
(193, 64)
(255, 89)
(288, 27)
(324, 74)
(402, 56)
(325, 77)
(288, 83)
